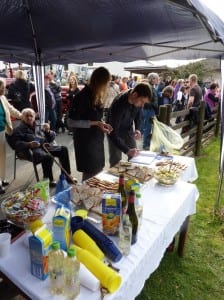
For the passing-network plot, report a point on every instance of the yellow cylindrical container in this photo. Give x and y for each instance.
(108, 278)
(81, 239)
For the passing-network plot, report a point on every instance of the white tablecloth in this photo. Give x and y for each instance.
(150, 159)
(165, 209)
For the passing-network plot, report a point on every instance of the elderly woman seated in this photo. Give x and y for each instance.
(24, 139)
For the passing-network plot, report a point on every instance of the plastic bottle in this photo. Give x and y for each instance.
(125, 234)
(121, 190)
(62, 184)
(55, 268)
(71, 275)
(132, 216)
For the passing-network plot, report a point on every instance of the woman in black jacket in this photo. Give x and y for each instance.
(85, 120)
(19, 91)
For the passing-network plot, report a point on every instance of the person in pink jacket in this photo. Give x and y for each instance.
(6, 111)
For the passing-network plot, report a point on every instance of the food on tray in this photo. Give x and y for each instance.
(166, 175)
(103, 185)
(142, 173)
(175, 164)
(24, 208)
(90, 196)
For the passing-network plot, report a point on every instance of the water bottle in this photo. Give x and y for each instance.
(71, 275)
(62, 184)
(125, 234)
(55, 269)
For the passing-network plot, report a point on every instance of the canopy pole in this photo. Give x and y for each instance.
(38, 68)
(221, 161)
(38, 73)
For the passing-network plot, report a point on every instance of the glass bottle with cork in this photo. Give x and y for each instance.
(132, 216)
(121, 190)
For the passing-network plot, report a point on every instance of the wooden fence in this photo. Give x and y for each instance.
(192, 125)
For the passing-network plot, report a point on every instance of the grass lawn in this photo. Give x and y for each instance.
(199, 275)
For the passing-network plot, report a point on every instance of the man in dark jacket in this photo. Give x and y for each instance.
(56, 90)
(25, 139)
(124, 113)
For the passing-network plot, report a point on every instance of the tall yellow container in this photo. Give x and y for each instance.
(108, 278)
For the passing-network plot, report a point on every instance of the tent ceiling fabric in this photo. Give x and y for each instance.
(55, 31)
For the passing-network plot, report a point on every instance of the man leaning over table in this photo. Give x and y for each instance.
(124, 116)
(24, 139)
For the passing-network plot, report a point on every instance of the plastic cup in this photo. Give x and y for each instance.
(5, 242)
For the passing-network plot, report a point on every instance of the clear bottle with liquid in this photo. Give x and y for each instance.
(55, 268)
(125, 234)
(71, 275)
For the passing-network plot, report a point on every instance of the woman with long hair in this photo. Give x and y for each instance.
(85, 120)
(73, 90)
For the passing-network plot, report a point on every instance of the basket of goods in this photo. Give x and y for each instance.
(133, 171)
(167, 175)
(22, 208)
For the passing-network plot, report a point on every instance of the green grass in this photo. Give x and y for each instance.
(199, 275)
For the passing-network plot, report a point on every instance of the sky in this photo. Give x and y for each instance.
(216, 6)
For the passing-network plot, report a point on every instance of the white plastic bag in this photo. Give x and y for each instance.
(165, 138)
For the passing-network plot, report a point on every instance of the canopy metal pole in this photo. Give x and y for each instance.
(38, 72)
(219, 190)
(38, 68)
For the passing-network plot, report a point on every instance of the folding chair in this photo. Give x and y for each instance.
(20, 155)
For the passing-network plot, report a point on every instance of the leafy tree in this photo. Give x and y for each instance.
(201, 68)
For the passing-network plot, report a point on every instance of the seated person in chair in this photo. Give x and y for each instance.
(24, 139)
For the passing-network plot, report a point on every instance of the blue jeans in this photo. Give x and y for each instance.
(147, 115)
(50, 115)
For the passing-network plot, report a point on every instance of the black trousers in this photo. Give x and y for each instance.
(46, 160)
(59, 122)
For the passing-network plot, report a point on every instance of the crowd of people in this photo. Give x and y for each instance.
(120, 108)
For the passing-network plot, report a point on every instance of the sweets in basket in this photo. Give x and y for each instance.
(22, 208)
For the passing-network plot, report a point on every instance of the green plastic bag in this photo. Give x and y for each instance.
(165, 138)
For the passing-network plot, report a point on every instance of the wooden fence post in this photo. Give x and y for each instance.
(168, 114)
(162, 116)
(200, 128)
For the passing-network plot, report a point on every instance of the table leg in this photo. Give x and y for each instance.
(183, 236)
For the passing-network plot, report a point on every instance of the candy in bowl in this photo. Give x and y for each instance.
(22, 208)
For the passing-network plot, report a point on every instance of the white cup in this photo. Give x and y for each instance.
(5, 241)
